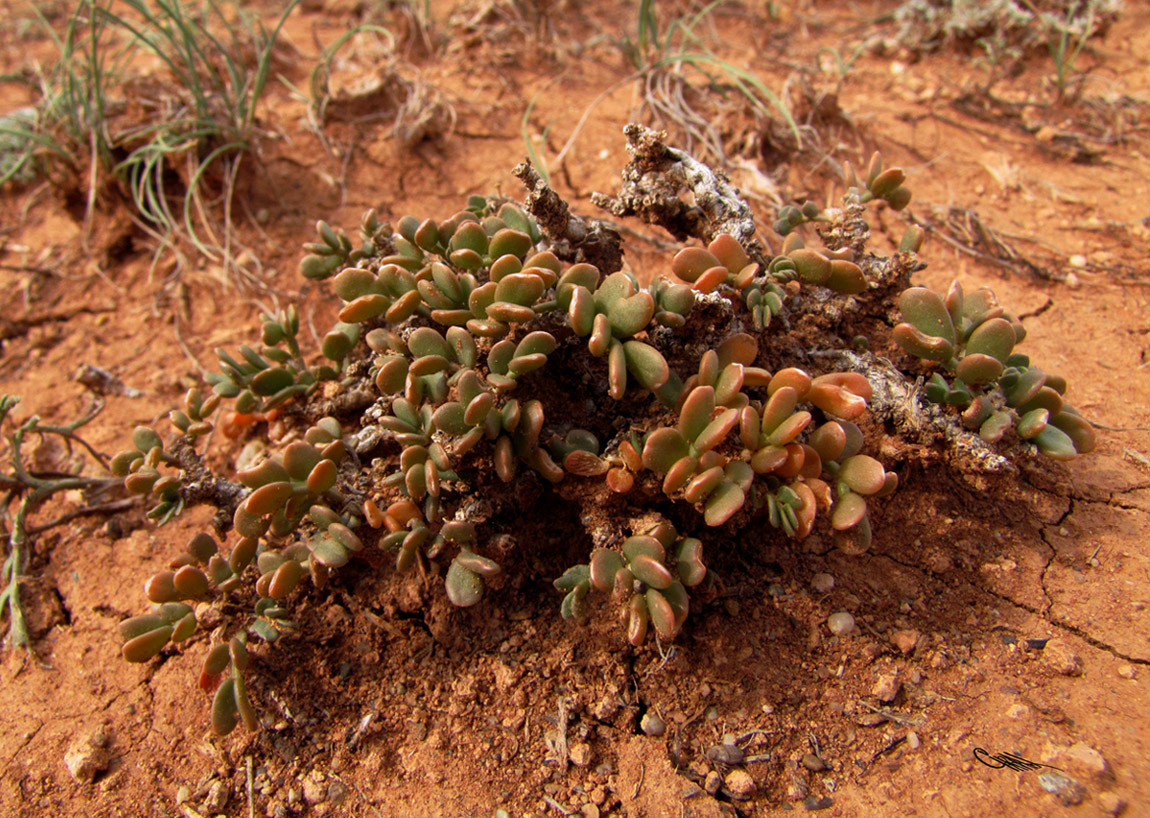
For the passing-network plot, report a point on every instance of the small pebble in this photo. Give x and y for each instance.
(336, 792)
(314, 791)
(653, 725)
(712, 782)
(823, 583)
(580, 754)
(813, 763)
(1067, 790)
(88, 756)
(1110, 803)
(218, 795)
(1126, 671)
(726, 754)
(841, 623)
(1017, 711)
(740, 785)
(1059, 654)
(906, 641)
(887, 687)
(912, 740)
(1085, 759)
(1078, 261)
(813, 804)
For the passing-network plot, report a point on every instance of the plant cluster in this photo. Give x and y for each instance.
(462, 341)
(972, 339)
(1005, 29)
(26, 486)
(97, 117)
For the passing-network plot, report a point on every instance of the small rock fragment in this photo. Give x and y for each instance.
(823, 583)
(1059, 654)
(726, 754)
(814, 804)
(653, 724)
(314, 791)
(841, 623)
(590, 811)
(88, 756)
(1126, 671)
(813, 763)
(912, 740)
(712, 782)
(1086, 760)
(1065, 788)
(217, 798)
(740, 785)
(1017, 711)
(906, 641)
(1110, 803)
(580, 754)
(337, 792)
(887, 687)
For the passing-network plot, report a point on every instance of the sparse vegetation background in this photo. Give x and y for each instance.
(525, 408)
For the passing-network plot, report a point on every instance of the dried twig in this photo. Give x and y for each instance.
(654, 180)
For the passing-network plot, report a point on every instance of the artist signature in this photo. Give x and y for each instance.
(1014, 762)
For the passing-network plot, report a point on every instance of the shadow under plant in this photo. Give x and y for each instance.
(500, 400)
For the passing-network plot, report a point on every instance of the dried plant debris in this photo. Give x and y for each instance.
(929, 24)
(497, 372)
(965, 230)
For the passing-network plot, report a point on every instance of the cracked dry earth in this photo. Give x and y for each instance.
(1007, 613)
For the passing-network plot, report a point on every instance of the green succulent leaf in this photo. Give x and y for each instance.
(926, 312)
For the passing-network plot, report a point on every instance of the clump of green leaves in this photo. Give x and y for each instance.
(463, 343)
(972, 339)
(648, 576)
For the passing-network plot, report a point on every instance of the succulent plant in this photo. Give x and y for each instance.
(972, 339)
(477, 356)
(649, 586)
